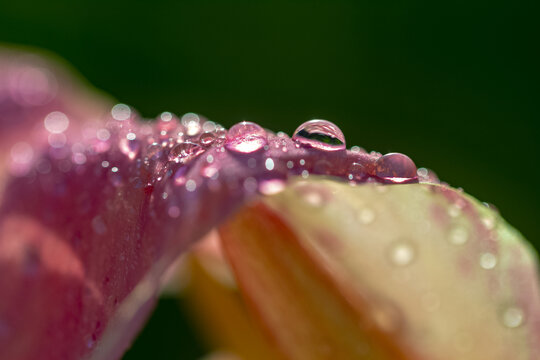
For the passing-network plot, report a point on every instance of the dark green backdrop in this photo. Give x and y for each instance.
(452, 84)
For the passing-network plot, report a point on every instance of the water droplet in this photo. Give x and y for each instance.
(396, 167)
(191, 185)
(105, 164)
(206, 139)
(210, 171)
(271, 187)
(290, 164)
(121, 112)
(103, 134)
(488, 261)
(185, 152)
(402, 253)
(305, 174)
(366, 216)
(269, 164)
(356, 171)
(320, 134)
(489, 222)
(56, 122)
(313, 195)
(246, 137)
(192, 123)
(458, 235)
(512, 317)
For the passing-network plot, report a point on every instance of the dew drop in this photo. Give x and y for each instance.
(191, 185)
(246, 137)
(185, 152)
(121, 112)
(401, 253)
(396, 167)
(271, 187)
(269, 164)
(56, 122)
(458, 235)
(320, 134)
(290, 164)
(488, 261)
(192, 123)
(489, 222)
(366, 216)
(206, 139)
(512, 317)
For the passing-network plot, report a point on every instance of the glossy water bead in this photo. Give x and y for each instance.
(320, 134)
(246, 137)
(395, 166)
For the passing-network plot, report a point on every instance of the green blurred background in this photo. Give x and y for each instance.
(452, 84)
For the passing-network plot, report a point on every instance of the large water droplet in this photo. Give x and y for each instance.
(320, 134)
(185, 152)
(401, 253)
(246, 137)
(396, 167)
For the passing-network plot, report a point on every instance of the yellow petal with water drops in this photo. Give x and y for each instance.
(418, 271)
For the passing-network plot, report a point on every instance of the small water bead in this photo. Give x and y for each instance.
(121, 112)
(269, 164)
(206, 139)
(192, 123)
(458, 235)
(290, 164)
(191, 185)
(366, 216)
(56, 122)
(246, 137)
(488, 261)
(489, 222)
(185, 152)
(512, 317)
(320, 134)
(395, 166)
(402, 253)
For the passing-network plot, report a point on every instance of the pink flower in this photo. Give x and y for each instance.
(338, 253)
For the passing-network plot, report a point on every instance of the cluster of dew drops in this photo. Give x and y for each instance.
(171, 140)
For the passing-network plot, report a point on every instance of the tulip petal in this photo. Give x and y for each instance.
(412, 272)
